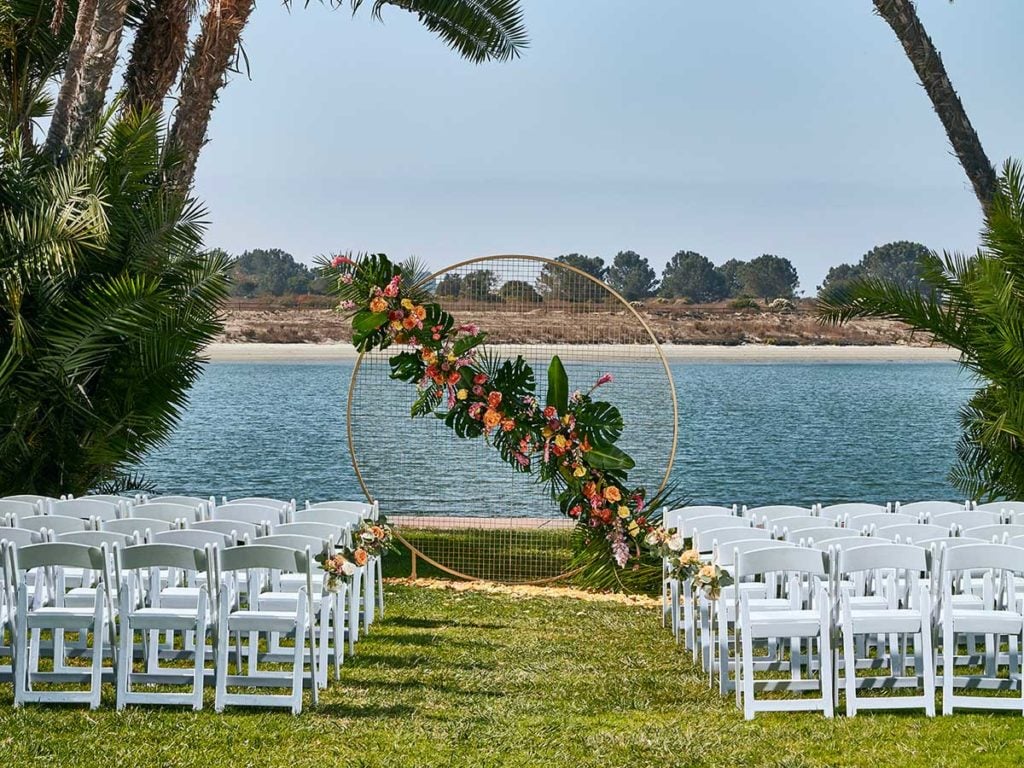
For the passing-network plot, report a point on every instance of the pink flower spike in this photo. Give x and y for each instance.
(337, 261)
(348, 304)
(605, 379)
(346, 278)
(471, 328)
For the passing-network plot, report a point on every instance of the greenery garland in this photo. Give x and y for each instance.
(568, 440)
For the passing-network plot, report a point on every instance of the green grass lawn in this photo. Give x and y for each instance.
(475, 679)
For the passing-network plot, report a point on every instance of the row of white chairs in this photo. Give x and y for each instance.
(95, 577)
(823, 608)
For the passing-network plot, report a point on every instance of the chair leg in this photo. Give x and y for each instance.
(380, 585)
(221, 667)
(200, 661)
(96, 687)
(298, 668)
(927, 670)
(747, 656)
(825, 671)
(21, 666)
(125, 665)
(948, 668)
(849, 670)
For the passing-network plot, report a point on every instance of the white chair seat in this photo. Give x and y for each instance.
(272, 621)
(784, 623)
(285, 601)
(967, 602)
(759, 604)
(163, 618)
(51, 616)
(884, 620)
(984, 622)
(180, 598)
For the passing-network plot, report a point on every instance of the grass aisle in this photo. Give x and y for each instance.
(479, 679)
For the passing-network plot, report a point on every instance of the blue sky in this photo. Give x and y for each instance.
(794, 127)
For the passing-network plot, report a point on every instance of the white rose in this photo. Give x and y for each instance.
(348, 568)
(651, 538)
(366, 536)
(675, 542)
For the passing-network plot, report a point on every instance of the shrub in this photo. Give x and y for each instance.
(744, 303)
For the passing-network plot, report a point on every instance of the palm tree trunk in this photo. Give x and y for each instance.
(902, 17)
(157, 54)
(61, 120)
(100, 59)
(205, 74)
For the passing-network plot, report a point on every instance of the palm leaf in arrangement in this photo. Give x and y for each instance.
(977, 308)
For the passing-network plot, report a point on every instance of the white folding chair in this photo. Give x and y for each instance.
(793, 528)
(141, 611)
(998, 617)
(725, 610)
(259, 561)
(1007, 510)
(361, 593)
(141, 527)
(56, 524)
(327, 609)
(804, 574)
(240, 531)
(999, 531)
(41, 502)
(20, 508)
(284, 507)
(972, 518)
(865, 522)
(257, 514)
(31, 618)
(899, 575)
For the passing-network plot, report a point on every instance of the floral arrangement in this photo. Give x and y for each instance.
(376, 538)
(340, 566)
(568, 439)
(706, 577)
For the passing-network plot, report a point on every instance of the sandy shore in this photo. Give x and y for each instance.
(745, 353)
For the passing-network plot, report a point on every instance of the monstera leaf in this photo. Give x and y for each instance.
(367, 329)
(407, 366)
(599, 421)
(514, 379)
(426, 403)
(558, 386)
(608, 457)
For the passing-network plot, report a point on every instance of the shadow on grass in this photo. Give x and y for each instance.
(346, 710)
(419, 685)
(417, 662)
(406, 621)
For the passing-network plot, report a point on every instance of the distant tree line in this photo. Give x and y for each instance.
(687, 275)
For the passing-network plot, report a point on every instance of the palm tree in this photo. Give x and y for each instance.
(901, 16)
(976, 307)
(478, 30)
(107, 306)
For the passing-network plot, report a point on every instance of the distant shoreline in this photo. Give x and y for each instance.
(743, 353)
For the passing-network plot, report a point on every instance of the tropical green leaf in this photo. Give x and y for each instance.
(609, 457)
(558, 386)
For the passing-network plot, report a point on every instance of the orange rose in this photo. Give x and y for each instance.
(589, 489)
(420, 312)
(611, 493)
(409, 322)
(494, 399)
(508, 425)
(377, 304)
(360, 556)
(492, 418)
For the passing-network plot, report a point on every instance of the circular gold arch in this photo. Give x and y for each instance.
(544, 261)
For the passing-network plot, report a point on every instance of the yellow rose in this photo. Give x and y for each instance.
(462, 394)
(565, 419)
(396, 324)
(707, 572)
(634, 529)
(623, 511)
(611, 493)
(407, 303)
(560, 441)
(579, 472)
(689, 557)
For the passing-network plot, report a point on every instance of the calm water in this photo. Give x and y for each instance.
(753, 434)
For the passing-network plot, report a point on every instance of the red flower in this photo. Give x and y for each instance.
(337, 261)
(494, 399)
(575, 511)
(480, 378)
(550, 412)
(453, 377)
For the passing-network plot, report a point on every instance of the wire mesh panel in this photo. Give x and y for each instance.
(453, 500)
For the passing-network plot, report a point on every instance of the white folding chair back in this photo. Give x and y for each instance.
(672, 518)
(1007, 510)
(367, 510)
(194, 538)
(841, 511)
(332, 531)
(997, 531)
(56, 523)
(285, 507)
(171, 512)
(238, 530)
(706, 541)
(773, 512)
(205, 505)
(257, 514)
(865, 522)
(20, 508)
(341, 517)
(140, 527)
(43, 502)
(85, 508)
(791, 528)
(929, 509)
(687, 527)
(910, 532)
(967, 518)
